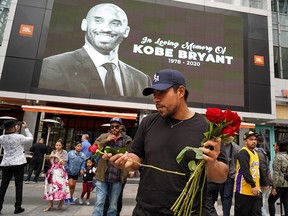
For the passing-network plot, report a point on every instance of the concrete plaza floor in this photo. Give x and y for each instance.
(34, 204)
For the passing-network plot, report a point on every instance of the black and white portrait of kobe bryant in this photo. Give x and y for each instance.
(96, 68)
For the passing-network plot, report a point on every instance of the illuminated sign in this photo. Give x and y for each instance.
(219, 52)
(208, 51)
(259, 60)
(26, 30)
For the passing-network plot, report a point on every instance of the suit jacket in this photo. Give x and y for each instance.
(75, 71)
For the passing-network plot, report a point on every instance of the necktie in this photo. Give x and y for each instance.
(111, 84)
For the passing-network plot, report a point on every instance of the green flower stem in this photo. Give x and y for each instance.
(184, 203)
(157, 168)
(150, 166)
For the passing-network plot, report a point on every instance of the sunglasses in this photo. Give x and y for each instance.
(114, 126)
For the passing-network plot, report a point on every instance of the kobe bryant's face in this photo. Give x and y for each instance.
(107, 25)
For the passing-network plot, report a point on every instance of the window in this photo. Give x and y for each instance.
(4, 10)
(283, 6)
(276, 62)
(285, 62)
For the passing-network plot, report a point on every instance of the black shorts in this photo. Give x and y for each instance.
(75, 177)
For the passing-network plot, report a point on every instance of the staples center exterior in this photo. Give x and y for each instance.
(223, 48)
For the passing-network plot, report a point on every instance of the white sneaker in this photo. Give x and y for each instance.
(87, 202)
(80, 201)
(26, 182)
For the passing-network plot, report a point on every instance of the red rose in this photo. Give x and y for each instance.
(228, 115)
(214, 115)
(228, 131)
(221, 125)
(232, 117)
(236, 125)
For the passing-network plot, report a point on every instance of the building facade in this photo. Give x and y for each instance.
(233, 54)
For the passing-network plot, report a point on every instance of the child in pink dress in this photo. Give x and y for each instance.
(56, 181)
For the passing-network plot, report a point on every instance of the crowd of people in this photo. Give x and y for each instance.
(250, 180)
(65, 168)
(242, 173)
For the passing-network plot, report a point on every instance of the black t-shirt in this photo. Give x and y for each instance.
(38, 151)
(158, 144)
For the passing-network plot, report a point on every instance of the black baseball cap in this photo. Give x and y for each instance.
(165, 79)
(10, 123)
(249, 133)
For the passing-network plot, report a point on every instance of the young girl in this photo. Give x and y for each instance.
(74, 166)
(56, 181)
(87, 180)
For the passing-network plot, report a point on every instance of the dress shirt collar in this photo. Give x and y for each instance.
(97, 58)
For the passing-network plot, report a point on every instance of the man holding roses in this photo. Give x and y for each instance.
(160, 138)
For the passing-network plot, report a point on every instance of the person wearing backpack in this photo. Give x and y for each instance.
(226, 188)
(265, 175)
(280, 185)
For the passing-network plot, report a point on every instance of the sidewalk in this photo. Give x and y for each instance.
(34, 204)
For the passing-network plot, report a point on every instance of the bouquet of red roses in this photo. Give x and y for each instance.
(222, 125)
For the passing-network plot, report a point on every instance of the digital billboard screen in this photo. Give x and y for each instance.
(213, 48)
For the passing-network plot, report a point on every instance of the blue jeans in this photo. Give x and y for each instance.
(265, 195)
(226, 193)
(101, 193)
